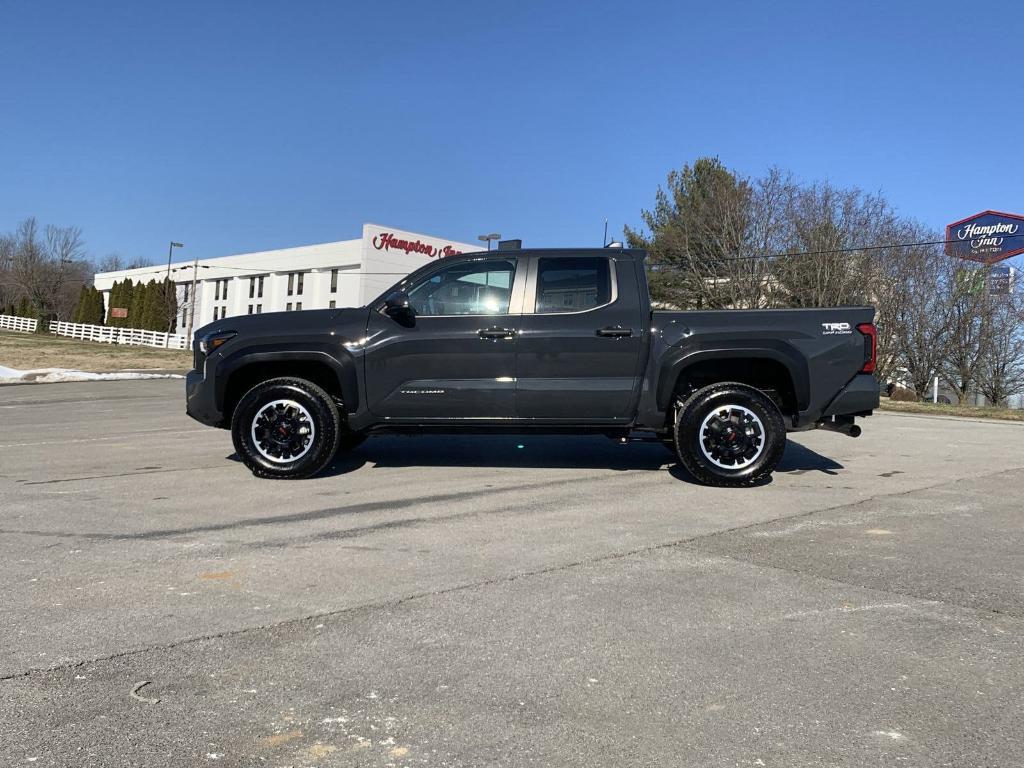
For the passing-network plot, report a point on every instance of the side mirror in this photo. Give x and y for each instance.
(398, 307)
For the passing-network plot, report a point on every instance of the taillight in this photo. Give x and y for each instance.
(870, 346)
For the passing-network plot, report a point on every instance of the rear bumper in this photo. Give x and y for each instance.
(200, 400)
(858, 398)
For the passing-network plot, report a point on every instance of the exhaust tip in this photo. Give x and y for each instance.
(854, 431)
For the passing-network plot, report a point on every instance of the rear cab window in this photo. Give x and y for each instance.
(573, 284)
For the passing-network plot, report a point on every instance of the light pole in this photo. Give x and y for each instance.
(167, 288)
(192, 302)
(170, 250)
(489, 238)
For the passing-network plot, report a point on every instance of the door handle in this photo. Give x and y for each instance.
(497, 333)
(615, 332)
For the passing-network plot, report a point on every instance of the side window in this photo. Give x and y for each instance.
(572, 285)
(467, 288)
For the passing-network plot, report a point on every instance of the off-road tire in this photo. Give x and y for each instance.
(764, 419)
(322, 414)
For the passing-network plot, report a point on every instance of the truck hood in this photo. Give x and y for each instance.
(340, 325)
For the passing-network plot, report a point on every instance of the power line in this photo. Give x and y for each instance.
(354, 271)
(258, 271)
(852, 250)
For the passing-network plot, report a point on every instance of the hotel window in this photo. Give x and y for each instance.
(288, 307)
(334, 281)
(259, 288)
(224, 291)
(259, 309)
(331, 305)
(250, 309)
(187, 286)
(216, 291)
(252, 290)
(298, 306)
(291, 283)
(298, 289)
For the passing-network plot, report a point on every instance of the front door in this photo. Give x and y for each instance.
(457, 361)
(579, 348)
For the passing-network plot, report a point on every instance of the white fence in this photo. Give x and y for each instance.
(130, 336)
(11, 323)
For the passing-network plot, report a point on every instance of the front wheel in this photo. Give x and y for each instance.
(729, 434)
(286, 428)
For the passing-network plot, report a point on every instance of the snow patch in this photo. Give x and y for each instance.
(57, 375)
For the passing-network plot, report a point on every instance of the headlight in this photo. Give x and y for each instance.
(212, 341)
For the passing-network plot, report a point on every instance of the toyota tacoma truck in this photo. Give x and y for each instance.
(534, 341)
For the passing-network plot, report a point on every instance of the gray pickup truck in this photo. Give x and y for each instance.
(534, 340)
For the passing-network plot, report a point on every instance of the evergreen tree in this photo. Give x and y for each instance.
(154, 306)
(87, 311)
(136, 307)
(82, 306)
(97, 306)
(115, 291)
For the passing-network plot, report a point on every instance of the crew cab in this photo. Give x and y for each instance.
(534, 340)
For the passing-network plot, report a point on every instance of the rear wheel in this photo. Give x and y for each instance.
(729, 434)
(286, 429)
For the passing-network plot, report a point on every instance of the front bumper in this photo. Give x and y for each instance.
(200, 400)
(858, 398)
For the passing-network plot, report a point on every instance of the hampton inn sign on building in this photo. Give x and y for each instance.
(348, 273)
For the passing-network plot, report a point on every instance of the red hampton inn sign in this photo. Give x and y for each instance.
(387, 241)
(987, 237)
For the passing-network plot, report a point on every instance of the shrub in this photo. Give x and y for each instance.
(904, 395)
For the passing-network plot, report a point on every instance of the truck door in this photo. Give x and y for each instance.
(582, 332)
(457, 361)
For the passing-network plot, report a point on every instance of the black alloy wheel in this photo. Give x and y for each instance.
(729, 434)
(286, 428)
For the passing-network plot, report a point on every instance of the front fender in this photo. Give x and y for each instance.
(339, 360)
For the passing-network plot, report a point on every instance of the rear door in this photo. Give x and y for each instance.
(581, 334)
(457, 361)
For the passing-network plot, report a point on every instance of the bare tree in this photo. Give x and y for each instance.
(918, 316)
(827, 225)
(901, 284)
(113, 262)
(968, 312)
(1001, 373)
(49, 268)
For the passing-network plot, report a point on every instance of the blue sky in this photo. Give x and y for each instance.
(237, 126)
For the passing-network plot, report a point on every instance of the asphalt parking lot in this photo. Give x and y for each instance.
(526, 601)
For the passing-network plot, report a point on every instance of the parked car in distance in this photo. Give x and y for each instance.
(534, 340)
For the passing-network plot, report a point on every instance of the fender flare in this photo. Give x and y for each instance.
(343, 366)
(677, 360)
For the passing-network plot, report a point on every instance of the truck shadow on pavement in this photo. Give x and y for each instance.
(539, 452)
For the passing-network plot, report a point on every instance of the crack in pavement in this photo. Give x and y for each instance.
(298, 517)
(511, 578)
(120, 474)
(169, 431)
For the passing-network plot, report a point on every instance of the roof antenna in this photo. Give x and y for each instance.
(604, 241)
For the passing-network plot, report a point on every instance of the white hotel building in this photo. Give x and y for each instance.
(347, 273)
